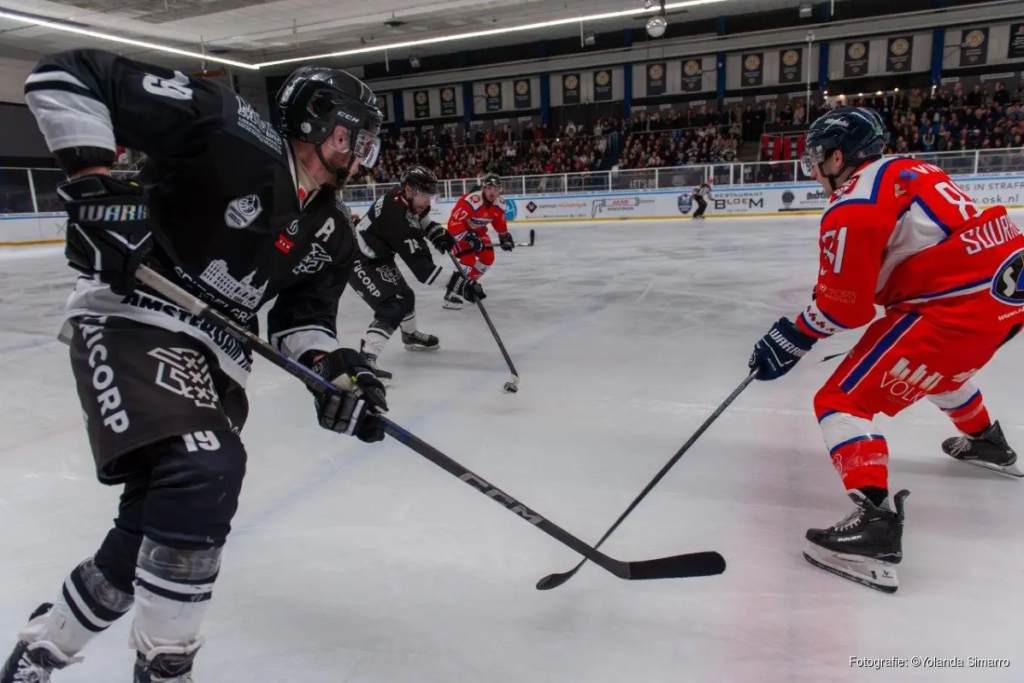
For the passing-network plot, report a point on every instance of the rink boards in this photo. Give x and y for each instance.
(728, 202)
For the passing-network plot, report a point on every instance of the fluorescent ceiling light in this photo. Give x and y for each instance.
(57, 26)
(492, 32)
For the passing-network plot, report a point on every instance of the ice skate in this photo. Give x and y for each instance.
(988, 450)
(452, 302)
(166, 665)
(383, 375)
(418, 341)
(33, 660)
(865, 547)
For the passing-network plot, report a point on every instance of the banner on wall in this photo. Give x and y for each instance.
(522, 90)
(856, 63)
(693, 76)
(782, 147)
(974, 46)
(421, 104)
(492, 96)
(448, 107)
(656, 79)
(570, 89)
(791, 65)
(602, 85)
(1015, 48)
(753, 68)
(897, 56)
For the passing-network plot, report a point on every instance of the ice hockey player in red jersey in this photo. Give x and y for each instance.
(949, 274)
(468, 223)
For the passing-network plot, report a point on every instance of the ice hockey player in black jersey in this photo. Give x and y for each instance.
(239, 213)
(399, 223)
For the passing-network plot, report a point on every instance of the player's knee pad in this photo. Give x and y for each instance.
(409, 300)
(116, 558)
(194, 487)
(391, 312)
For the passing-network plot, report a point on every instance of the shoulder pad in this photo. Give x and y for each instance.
(500, 203)
(863, 186)
(475, 200)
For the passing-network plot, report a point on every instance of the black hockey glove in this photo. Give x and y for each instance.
(360, 396)
(474, 241)
(506, 241)
(777, 352)
(440, 238)
(468, 289)
(109, 229)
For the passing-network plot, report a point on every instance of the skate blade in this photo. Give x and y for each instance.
(417, 347)
(452, 307)
(1013, 470)
(871, 573)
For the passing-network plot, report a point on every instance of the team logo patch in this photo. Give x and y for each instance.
(390, 274)
(312, 262)
(186, 373)
(1008, 284)
(243, 211)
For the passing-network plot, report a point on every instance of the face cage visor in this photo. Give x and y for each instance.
(366, 148)
(811, 160)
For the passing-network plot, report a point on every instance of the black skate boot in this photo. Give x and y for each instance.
(865, 547)
(383, 375)
(418, 341)
(452, 302)
(34, 661)
(989, 450)
(166, 665)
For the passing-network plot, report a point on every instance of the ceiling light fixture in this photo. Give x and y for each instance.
(66, 28)
(493, 32)
(57, 26)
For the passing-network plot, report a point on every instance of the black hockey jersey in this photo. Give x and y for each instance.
(233, 225)
(702, 190)
(391, 227)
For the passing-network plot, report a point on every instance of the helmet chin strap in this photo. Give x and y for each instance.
(341, 174)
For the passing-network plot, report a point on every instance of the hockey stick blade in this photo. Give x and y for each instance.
(533, 236)
(690, 565)
(832, 356)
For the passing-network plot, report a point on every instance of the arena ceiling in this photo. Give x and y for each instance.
(260, 31)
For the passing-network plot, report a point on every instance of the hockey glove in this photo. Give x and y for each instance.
(360, 396)
(109, 229)
(779, 350)
(470, 290)
(506, 241)
(440, 238)
(474, 241)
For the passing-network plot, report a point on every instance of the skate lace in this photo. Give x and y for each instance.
(962, 445)
(850, 521)
(419, 336)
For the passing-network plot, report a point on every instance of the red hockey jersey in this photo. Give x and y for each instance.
(471, 212)
(901, 234)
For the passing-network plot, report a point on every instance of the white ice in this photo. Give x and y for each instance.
(367, 564)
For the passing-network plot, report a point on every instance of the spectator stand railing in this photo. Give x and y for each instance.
(1004, 161)
(27, 191)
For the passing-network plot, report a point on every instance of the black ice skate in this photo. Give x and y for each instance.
(32, 661)
(865, 547)
(418, 341)
(383, 375)
(988, 450)
(166, 665)
(452, 302)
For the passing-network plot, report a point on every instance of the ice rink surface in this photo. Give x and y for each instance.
(367, 564)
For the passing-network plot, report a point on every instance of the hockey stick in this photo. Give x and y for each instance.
(677, 566)
(834, 355)
(512, 385)
(494, 246)
(555, 580)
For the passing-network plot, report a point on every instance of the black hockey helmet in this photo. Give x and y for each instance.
(315, 100)
(420, 179)
(858, 132)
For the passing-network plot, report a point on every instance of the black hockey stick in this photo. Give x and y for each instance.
(555, 580)
(678, 566)
(512, 385)
(834, 355)
(495, 246)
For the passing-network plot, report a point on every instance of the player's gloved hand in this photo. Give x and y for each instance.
(779, 350)
(474, 241)
(440, 238)
(506, 241)
(109, 229)
(468, 289)
(359, 398)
